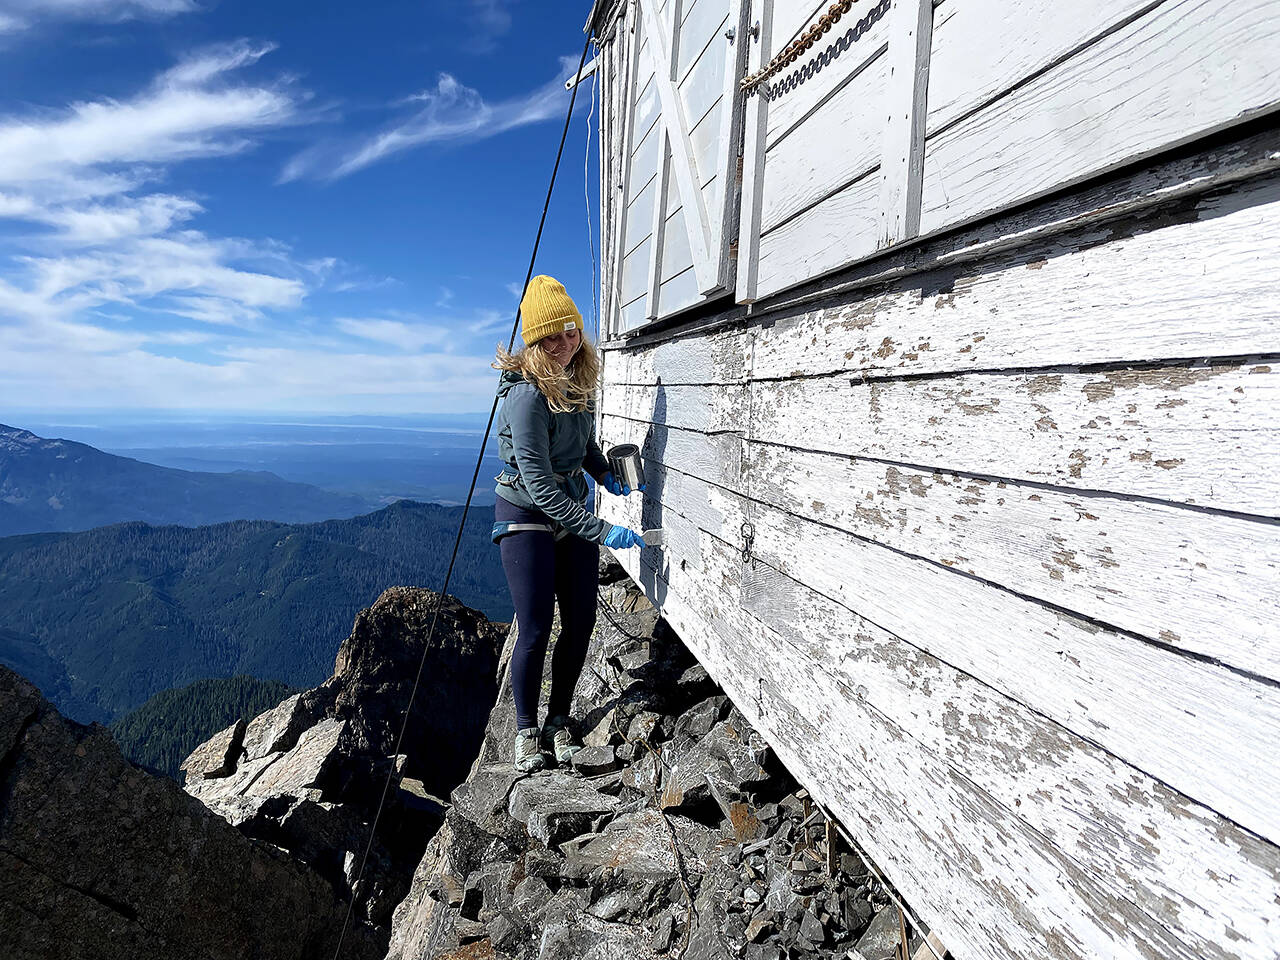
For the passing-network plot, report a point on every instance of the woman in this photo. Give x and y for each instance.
(549, 542)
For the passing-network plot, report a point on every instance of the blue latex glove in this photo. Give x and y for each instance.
(620, 538)
(613, 486)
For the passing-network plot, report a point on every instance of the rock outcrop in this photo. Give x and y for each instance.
(674, 832)
(307, 775)
(101, 860)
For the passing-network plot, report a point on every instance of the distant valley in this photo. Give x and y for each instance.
(429, 458)
(61, 485)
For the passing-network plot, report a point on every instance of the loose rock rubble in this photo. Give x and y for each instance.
(307, 775)
(675, 832)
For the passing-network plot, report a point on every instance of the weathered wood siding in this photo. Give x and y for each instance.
(975, 510)
(915, 116)
(1010, 601)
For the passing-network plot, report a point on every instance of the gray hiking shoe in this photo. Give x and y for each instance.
(558, 739)
(527, 755)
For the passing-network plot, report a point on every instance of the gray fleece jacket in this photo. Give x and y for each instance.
(536, 445)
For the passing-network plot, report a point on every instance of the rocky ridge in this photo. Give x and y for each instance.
(675, 832)
(308, 774)
(99, 859)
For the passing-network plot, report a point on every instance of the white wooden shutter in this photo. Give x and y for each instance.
(672, 232)
(937, 113)
(814, 146)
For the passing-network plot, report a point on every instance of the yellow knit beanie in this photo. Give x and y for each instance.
(547, 309)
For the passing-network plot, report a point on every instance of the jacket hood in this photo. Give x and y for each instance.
(509, 379)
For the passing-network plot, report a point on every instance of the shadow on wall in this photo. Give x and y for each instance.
(653, 450)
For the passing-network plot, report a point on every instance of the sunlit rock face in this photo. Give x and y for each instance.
(308, 775)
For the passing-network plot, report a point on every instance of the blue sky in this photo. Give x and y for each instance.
(279, 206)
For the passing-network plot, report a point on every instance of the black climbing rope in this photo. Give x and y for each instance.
(386, 787)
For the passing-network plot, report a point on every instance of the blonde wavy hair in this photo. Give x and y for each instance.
(566, 389)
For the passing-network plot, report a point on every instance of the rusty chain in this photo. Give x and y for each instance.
(805, 42)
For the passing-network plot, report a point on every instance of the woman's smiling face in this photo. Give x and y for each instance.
(562, 346)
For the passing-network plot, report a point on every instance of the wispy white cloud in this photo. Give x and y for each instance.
(18, 15)
(411, 337)
(208, 63)
(111, 294)
(492, 16)
(99, 223)
(449, 111)
(488, 321)
(176, 119)
(81, 173)
(184, 338)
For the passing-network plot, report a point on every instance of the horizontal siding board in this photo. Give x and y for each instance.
(644, 162)
(704, 21)
(1113, 208)
(1199, 727)
(678, 292)
(841, 229)
(1157, 570)
(718, 411)
(982, 48)
(792, 16)
(635, 272)
(632, 314)
(707, 146)
(647, 107)
(792, 108)
(1153, 84)
(699, 455)
(1065, 300)
(1196, 581)
(1204, 876)
(704, 83)
(1068, 300)
(640, 216)
(836, 145)
(676, 255)
(715, 358)
(1202, 435)
(1196, 435)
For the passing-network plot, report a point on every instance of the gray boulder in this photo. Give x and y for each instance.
(217, 756)
(881, 939)
(554, 806)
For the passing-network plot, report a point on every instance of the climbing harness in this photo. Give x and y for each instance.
(805, 42)
(386, 787)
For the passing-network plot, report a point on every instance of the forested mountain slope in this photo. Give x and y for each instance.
(130, 610)
(161, 732)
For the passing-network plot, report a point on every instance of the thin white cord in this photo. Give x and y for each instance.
(586, 196)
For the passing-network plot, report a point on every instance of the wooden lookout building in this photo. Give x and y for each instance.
(951, 346)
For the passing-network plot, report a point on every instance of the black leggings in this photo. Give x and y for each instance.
(541, 570)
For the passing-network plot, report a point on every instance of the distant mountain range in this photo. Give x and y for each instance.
(60, 485)
(104, 619)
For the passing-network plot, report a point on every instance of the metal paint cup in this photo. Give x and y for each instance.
(624, 461)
